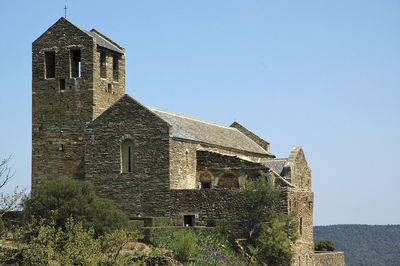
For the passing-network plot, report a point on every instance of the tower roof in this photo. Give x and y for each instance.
(105, 42)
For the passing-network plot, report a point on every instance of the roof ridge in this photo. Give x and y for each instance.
(106, 38)
(194, 119)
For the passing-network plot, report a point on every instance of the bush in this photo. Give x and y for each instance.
(73, 246)
(324, 245)
(2, 227)
(215, 249)
(183, 244)
(271, 233)
(67, 197)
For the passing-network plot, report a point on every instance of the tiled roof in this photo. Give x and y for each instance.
(103, 42)
(275, 164)
(206, 132)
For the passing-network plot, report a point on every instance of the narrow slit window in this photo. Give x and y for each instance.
(301, 226)
(62, 84)
(76, 63)
(115, 68)
(103, 69)
(127, 157)
(50, 62)
(109, 88)
(129, 160)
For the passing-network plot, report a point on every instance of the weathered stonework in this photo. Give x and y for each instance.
(144, 190)
(63, 105)
(151, 162)
(328, 259)
(183, 164)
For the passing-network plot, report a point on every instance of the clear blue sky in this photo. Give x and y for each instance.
(321, 74)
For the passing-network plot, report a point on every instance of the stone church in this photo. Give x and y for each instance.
(150, 162)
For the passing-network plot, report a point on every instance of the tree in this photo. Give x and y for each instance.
(271, 232)
(8, 202)
(68, 197)
(324, 245)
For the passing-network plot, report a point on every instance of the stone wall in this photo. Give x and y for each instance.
(183, 164)
(328, 259)
(59, 115)
(63, 105)
(300, 173)
(103, 96)
(210, 204)
(145, 190)
(301, 203)
(218, 165)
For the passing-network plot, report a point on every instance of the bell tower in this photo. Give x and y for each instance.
(76, 75)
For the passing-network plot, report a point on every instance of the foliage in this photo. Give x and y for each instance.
(263, 200)
(324, 245)
(364, 244)
(8, 202)
(183, 243)
(77, 199)
(2, 227)
(72, 246)
(215, 249)
(273, 245)
(271, 233)
(207, 248)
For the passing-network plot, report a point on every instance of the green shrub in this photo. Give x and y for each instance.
(324, 245)
(183, 244)
(2, 227)
(73, 246)
(68, 197)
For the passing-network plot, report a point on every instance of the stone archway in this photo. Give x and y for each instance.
(228, 180)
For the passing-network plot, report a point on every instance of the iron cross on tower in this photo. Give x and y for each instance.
(65, 11)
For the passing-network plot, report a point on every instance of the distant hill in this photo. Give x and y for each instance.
(364, 244)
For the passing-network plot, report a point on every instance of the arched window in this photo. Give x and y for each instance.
(229, 181)
(127, 156)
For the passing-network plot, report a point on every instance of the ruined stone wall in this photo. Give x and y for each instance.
(301, 202)
(300, 172)
(217, 166)
(328, 259)
(183, 164)
(107, 90)
(59, 115)
(145, 190)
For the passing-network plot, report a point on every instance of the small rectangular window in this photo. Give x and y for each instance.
(75, 61)
(62, 84)
(115, 68)
(50, 62)
(109, 88)
(103, 69)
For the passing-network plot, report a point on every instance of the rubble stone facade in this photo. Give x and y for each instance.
(149, 162)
